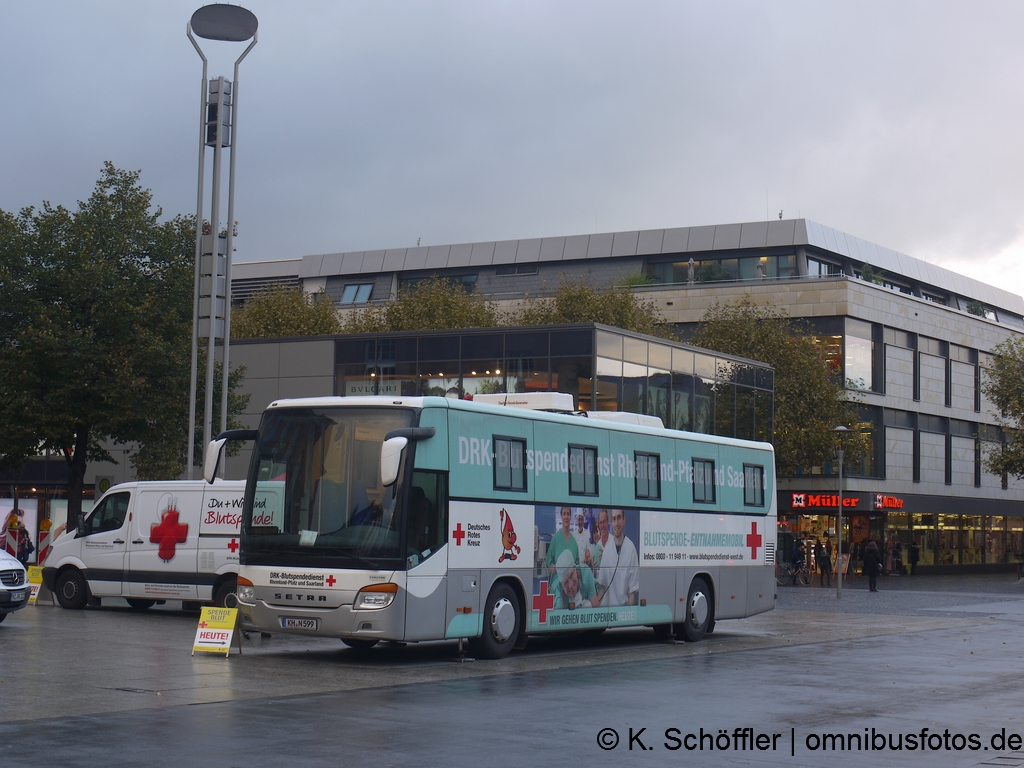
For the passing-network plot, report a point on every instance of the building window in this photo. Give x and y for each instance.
(753, 485)
(466, 281)
(583, 470)
(357, 293)
(509, 464)
(704, 481)
(648, 479)
(507, 270)
(817, 268)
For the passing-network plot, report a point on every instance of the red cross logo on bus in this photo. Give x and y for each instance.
(168, 533)
(458, 534)
(753, 541)
(233, 546)
(543, 602)
(331, 581)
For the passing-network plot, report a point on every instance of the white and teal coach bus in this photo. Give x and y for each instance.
(413, 519)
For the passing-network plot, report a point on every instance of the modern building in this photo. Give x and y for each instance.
(910, 339)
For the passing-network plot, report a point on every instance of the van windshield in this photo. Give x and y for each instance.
(314, 495)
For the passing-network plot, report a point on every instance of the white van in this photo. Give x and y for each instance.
(149, 542)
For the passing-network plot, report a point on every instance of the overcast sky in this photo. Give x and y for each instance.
(371, 124)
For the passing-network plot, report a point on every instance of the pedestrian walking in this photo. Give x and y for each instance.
(824, 563)
(872, 565)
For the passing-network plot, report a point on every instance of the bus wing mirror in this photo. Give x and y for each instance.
(212, 458)
(391, 459)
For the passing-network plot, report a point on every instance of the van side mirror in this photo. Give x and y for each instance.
(212, 458)
(81, 526)
(391, 459)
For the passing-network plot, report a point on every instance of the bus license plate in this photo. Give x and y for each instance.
(307, 624)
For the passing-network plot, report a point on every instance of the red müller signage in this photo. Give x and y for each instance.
(822, 501)
(882, 501)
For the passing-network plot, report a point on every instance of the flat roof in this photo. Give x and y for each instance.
(650, 242)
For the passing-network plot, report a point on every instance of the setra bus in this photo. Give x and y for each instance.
(426, 518)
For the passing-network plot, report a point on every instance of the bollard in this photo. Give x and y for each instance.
(12, 537)
(44, 540)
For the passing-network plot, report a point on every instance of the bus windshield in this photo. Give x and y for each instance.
(314, 495)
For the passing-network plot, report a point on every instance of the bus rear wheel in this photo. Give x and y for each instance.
(502, 621)
(699, 611)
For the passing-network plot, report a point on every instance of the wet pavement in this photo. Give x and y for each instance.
(943, 653)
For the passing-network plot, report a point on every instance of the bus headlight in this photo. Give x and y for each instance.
(375, 597)
(245, 590)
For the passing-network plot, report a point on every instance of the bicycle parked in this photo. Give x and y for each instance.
(788, 573)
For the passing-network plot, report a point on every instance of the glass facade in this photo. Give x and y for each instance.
(604, 369)
(714, 270)
(944, 541)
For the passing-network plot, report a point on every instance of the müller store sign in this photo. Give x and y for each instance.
(811, 501)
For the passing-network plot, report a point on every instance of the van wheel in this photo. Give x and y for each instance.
(72, 591)
(139, 604)
(501, 623)
(358, 644)
(2, 617)
(699, 611)
(226, 596)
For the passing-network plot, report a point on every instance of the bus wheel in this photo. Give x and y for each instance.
(501, 623)
(72, 591)
(226, 597)
(698, 611)
(138, 604)
(359, 644)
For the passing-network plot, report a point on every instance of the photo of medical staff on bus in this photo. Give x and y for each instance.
(587, 556)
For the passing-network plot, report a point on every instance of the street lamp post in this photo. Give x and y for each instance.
(211, 310)
(840, 432)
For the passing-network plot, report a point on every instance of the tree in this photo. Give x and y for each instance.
(576, 300)
(1003, 385)
(280, 311)
(809, 402)
(164, 453)
(976, 308)
(432, 304)
(95, 338)
(712, 272)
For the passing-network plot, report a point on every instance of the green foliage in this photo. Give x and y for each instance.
(280, 311)
(95, 337)
(1003, 385)
(809, 403)
(976, 308)
(869, 275)
(577, 300)
(164, 455)
(638, 279)
(712, 272)
(432, 304)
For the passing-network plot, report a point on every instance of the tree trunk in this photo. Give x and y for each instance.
(76, 462)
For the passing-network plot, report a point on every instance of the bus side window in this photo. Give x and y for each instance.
(427, 526)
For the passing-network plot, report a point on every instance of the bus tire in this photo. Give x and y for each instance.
(138, 604)
(358, 643)
(72, 591)
(225, 596)
(502, 623)
(699, 611)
